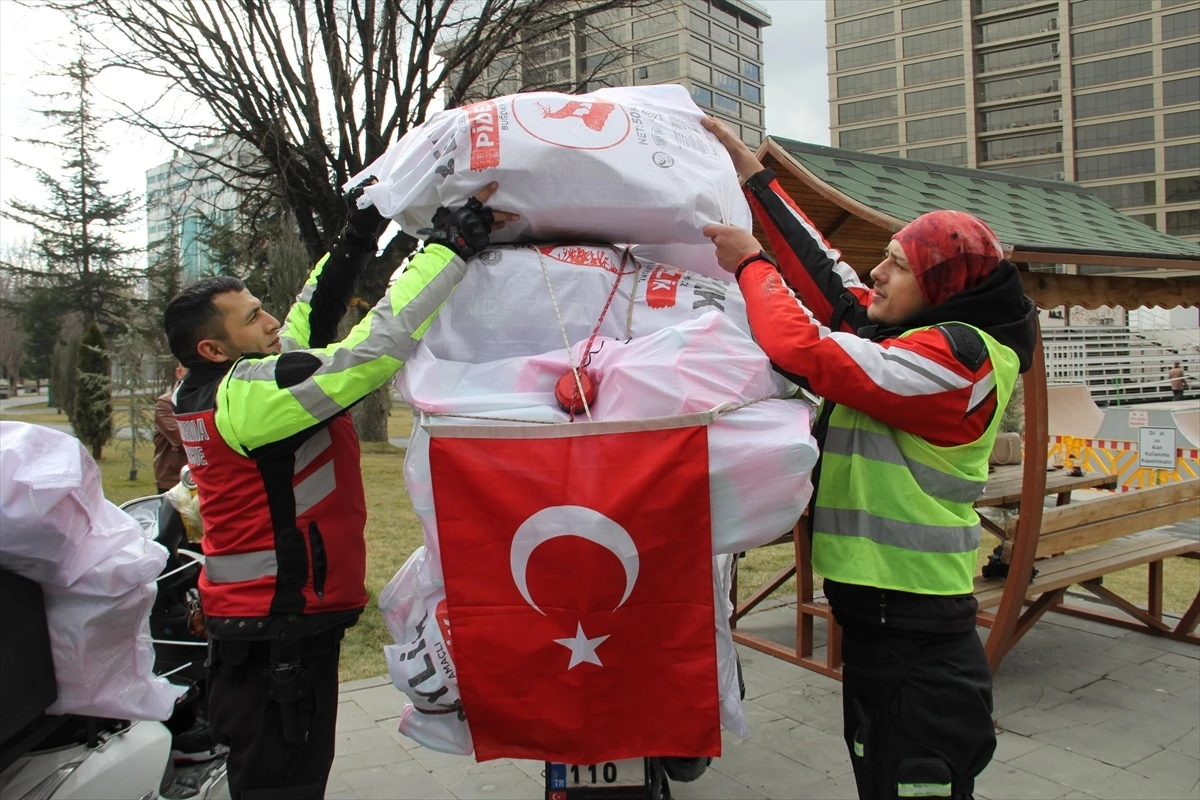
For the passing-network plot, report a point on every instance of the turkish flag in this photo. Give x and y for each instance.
(578, 569)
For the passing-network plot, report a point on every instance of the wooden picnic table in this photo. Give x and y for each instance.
(1005, 482)
(1004, 488)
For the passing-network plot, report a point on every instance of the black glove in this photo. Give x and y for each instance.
(354, 247)
(364, 224)
(464, 230)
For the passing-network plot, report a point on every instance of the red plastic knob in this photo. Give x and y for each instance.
(567, 393)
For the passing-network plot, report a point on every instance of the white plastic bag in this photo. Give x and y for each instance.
(421, 663)
(97, 571)
(626, 164)
(733, 719)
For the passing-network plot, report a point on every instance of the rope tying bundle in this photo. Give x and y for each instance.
(584, 391)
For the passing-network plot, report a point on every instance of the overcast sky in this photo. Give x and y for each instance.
(33, 40)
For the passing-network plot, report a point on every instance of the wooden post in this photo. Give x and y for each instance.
(1154, 591)
(1029, 521)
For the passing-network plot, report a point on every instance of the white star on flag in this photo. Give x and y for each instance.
(582, 648)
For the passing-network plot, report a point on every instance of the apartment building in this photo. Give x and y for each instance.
(713, 47)
(185, 196)
(1102, 92)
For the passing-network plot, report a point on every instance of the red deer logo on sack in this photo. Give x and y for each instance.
(593, 115)
(571, 122)
(581, 255)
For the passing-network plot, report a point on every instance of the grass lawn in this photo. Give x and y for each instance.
(36, 415)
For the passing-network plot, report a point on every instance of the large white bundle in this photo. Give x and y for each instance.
(504, 307)
(626, 164)
(97, 570)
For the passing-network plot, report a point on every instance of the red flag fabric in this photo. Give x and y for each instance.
(578, 569)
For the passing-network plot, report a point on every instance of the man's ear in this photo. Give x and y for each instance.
(211, 350)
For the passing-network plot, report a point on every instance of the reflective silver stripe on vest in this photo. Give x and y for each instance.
(312, 447)
(315, 488)
(240, 567)
(909, 535)
(881, 447)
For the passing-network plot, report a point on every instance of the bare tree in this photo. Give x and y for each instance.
(133, 358)
(318, 88)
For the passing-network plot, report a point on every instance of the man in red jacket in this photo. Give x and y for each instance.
(915, 373)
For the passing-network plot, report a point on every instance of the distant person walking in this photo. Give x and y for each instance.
(169, 457)
(1178, 382)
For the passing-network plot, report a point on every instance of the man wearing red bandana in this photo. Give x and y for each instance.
(915, 373)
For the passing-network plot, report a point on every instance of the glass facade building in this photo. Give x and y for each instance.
(186, 196)
(1102, 92)
(713, 47)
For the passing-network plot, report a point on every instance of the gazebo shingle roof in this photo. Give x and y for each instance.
(1028, 214)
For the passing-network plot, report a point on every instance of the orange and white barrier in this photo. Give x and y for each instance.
(1115, 457)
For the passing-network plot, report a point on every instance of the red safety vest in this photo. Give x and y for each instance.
(283, 534)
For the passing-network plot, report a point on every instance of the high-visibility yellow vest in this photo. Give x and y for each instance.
(894, 511)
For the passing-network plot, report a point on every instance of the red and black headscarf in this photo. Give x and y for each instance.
(949, 251)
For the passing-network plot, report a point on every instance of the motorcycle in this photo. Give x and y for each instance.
(44, 757)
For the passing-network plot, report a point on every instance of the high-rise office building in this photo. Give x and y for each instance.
(714, 47)
(185, 196)
(1102, 92)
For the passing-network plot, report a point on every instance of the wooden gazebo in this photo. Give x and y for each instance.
(858, 201)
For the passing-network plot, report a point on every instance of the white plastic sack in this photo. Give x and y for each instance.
(627, 164)
(733, 719)
(504, 308)
(97, 571)
(421, 664)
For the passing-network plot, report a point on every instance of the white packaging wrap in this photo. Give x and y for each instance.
(671, 343)
(760, 455)
(97, 571)
(626, 164)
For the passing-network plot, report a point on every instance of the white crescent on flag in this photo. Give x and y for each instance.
(586, 523)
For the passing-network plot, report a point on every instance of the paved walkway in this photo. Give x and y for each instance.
(1084, 711)
(22, 400)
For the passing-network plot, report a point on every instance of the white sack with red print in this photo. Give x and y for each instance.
(421, 664)
(517, 300)
(626, 164)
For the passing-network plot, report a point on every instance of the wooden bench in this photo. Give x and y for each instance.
(1079, 544)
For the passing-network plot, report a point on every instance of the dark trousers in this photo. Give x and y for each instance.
(917, 713)
(278, 725)
(1177, 394)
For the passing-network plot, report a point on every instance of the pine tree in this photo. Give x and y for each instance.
(75, 225)
(91, 416)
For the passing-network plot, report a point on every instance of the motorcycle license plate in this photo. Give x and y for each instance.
(626, 778)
